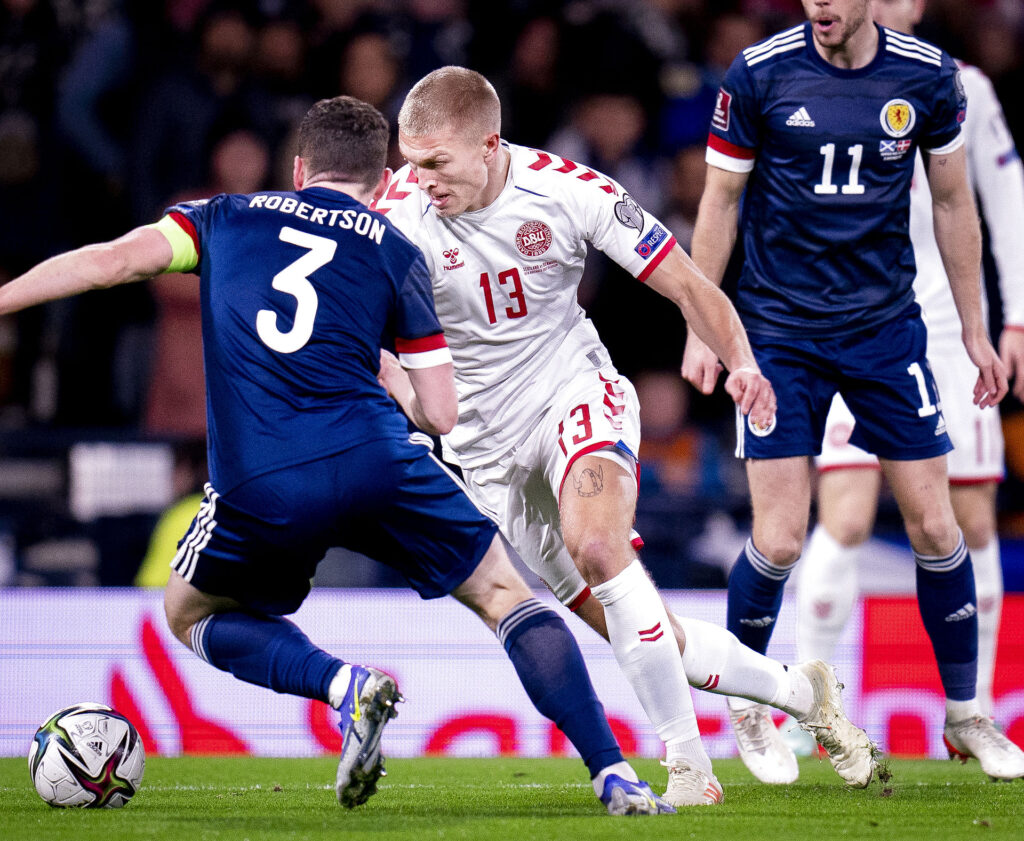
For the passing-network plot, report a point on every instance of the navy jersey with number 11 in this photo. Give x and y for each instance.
(830, 152)
(299, 291)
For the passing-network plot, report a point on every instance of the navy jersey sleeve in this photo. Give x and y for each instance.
(943, 130)
(181, 225)
(419, 340)
(736, 122)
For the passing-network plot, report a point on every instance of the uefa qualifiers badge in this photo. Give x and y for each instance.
(897, 117)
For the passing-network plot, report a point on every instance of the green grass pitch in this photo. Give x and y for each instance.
(207, 799)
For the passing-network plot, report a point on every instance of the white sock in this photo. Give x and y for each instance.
(646, 650)
(689, 751)
(988, 585)
(622, 769)
(716, 661)
(826, 591)
(959, 710)
(338, 686)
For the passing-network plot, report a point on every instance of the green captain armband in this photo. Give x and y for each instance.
(183, 247)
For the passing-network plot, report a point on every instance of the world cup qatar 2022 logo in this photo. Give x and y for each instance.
(533, 238)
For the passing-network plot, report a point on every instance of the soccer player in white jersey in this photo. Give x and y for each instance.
(849, 479)
(548, 430)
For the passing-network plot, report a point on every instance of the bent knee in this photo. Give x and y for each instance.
(781, 549)
(934, 534)
(178, 620)
(600, 558)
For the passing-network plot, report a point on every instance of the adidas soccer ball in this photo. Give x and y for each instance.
(87, 755)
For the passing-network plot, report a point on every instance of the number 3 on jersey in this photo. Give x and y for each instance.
(293, 280)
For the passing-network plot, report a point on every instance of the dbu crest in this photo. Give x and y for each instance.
(897, 117)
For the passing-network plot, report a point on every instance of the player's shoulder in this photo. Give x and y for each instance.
(551, 177)
(775, 49)
(402, 199)
(915, 52)
(974, 79)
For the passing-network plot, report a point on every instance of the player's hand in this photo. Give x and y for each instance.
(700, 365)
(751, 391)
(1011, 351)
(392, 376)
(992, 384)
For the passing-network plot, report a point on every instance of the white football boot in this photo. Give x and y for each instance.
(849, 749)
(761, 745)
(689, 786)
(978, 736)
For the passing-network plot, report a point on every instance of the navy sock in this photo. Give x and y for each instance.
(755, 597)
(948, 605)
(266, 650)
(551, 669)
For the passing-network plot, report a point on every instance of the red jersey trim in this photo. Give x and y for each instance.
(656, 259)
(859, 466)
(728, 149)
(577, 603)
(421, 345)
(188, 228)
(976, 480)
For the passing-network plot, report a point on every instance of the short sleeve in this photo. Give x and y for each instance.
(419, 339)
(943, 132)
(735, 135)
(615, 223)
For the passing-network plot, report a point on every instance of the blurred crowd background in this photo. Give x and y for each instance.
(110, 110)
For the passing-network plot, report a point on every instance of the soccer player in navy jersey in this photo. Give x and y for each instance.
(811, 154)
(303, 293)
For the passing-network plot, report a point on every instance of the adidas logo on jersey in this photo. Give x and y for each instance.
(800, 118)
(966, 612)
(763, 622)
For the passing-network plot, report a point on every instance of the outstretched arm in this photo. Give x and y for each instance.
(958, 235)
(138, 255)
(713, 238)
(715, 330)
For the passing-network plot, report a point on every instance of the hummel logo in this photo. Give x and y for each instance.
(801, 118)
(763, 622)
(966, 612)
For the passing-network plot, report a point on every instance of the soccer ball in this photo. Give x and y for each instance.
(87, 755)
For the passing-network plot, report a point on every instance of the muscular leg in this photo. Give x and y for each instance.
(597, 506)
(827, 581)
(716, 662)
(945, 578)
(258, 648)
(780, 493)
(546, 659)
(975, 509)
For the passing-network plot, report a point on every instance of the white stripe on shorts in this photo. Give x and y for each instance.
(184, 562)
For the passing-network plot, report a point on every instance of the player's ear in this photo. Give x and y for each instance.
(298, 172)
(492, 143)
(382, 185)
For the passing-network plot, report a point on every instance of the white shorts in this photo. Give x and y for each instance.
(596, 414)
(976, 434)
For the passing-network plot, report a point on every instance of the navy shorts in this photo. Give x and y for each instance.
(884, 377)
(390, 500)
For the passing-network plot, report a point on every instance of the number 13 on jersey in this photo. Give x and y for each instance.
(515, 294)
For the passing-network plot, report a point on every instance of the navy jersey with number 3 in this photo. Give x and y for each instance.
(299, 291)
(825, 219)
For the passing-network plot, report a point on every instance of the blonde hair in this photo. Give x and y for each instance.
(450, 97)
